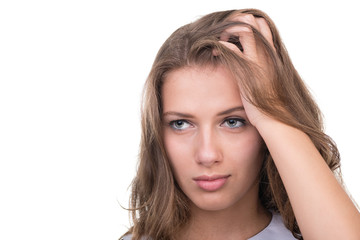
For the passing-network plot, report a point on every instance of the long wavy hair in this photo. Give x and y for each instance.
(158, 207)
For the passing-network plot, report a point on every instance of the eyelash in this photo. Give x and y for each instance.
(238, 120)
(172, 124)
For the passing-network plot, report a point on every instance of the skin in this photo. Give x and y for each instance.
(207, 132)
(321, 206)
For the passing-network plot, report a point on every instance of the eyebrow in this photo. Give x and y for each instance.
(234, 109)
(185, 115)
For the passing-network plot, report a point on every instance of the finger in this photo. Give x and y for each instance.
(265, 30)
(246, 18)
(231, 46)
(247, 40)
(258, 23)
(246, 36)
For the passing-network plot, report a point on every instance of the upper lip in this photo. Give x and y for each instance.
(210, 178)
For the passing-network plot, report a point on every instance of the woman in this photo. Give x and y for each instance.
(232, 142)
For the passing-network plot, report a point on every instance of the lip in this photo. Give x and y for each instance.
(211, 183)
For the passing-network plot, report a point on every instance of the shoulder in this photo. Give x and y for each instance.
(129, 237)
(276, 230)
(126, 237)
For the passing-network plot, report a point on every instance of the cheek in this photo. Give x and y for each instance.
(178, 152)
(247, 150)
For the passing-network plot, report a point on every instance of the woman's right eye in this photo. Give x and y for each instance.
(180, 124)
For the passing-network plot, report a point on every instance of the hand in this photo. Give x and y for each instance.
(253, 52)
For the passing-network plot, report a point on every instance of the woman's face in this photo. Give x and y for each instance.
(216, 155)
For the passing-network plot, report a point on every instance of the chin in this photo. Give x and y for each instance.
(211, 203)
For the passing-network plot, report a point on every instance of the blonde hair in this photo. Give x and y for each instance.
(159, 208)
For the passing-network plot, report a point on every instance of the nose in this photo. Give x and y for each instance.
(208, 149)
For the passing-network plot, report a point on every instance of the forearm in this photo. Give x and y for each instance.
(321, 206)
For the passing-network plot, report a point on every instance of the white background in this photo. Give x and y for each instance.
(71, 75)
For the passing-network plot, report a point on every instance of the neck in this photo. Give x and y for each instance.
(240, 221)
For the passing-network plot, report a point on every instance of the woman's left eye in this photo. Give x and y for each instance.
(234, 122)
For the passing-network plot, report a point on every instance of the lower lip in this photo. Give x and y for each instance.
(211, 185)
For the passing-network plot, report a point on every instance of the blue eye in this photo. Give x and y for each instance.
(234, 122)
(179, 124)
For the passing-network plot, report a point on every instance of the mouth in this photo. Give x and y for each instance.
(211, 183)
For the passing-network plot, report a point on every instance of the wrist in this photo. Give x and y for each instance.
(263, 121)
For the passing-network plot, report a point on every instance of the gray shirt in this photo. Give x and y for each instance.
(276, 230)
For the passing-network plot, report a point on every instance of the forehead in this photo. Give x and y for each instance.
(196, 88)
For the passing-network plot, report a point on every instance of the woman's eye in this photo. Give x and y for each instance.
(179, 124)
(234, 122)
